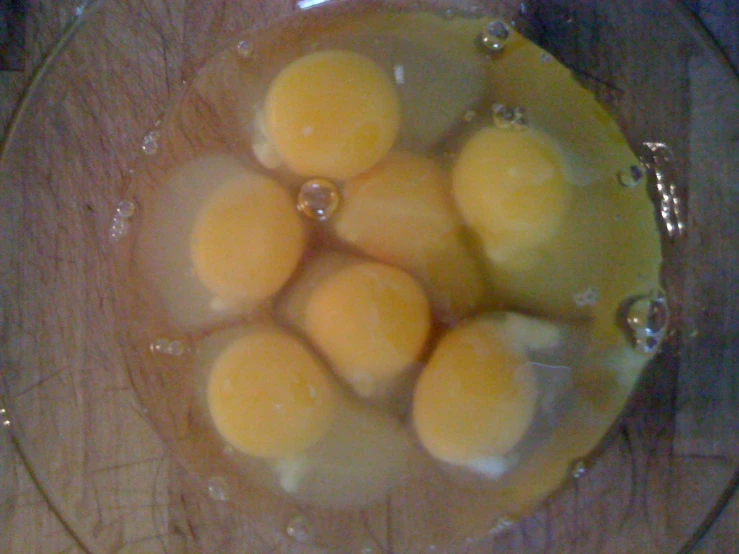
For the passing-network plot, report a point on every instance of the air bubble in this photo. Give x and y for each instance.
(125, 209)
(167, 347)
(495, 36)
(469, 116)
(176, 348)
(449, 14)
(318, 199)
(244, 49)
(399, 74)
(509, 118)
(299, 529)
(578, 469)
(647, 317)
(632, 177)
(588, 297)
(501, 525)
(546, 57)
(368, 549)
(4, 417)
(150, 146)
(218, 489)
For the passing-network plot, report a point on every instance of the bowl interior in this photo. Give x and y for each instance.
(69, 381)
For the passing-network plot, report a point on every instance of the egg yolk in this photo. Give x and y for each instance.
(247, 240)
(401, 213)
(511, 188)
(476, 397)
(332, 114)
(371, 321)
(269, 396)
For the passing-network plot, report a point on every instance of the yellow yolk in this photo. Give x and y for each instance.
(371, 321)
(247, 240)
(332, 114)
(269, 396)
(511, 188)
(476, 397)
(401, 213)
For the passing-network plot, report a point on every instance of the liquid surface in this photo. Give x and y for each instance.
(422, 221)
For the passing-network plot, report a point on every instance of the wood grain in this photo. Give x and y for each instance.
(137, 472)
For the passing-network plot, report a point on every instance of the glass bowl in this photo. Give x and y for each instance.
(73, 392)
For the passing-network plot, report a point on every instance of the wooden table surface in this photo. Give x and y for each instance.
(27, 525)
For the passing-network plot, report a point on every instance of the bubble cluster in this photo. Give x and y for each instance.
(118, 229)
(121, 220)
(659, 160)
(150, 145)
(511, 118)
(647, 317)
(167, 347)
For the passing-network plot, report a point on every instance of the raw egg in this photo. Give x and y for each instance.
(332, 114)
(247, 240)
(395, 207)
(510, 187)
(268, 395)
(476, 397)
(290, 425)
(401, 212)
(219, 240)
(370, 320)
